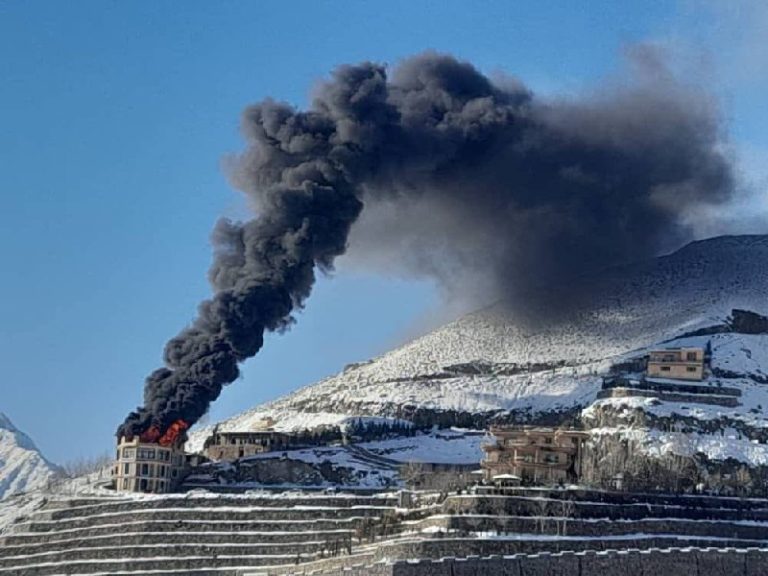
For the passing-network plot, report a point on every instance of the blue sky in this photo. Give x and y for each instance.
(116, 117)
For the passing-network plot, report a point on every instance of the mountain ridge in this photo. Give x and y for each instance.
(632, 306)
(22, 465)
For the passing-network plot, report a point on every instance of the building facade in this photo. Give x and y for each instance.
(536, 455)
(676, 363)
(148, 467)
(233, 445)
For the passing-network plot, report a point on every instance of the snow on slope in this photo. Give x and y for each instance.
(437, 447)
(745, 355)
(22, 467)
(365, 465)
(737, 432)
(632, 307)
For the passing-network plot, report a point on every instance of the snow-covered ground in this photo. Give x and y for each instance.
(478, 364)
(369, 464)
(22, 466)
(437, 447)
(729, 445)
(357, 472)
(745, 357)
(284, 421)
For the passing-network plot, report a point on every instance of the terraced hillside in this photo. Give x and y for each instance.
(293, 533)
(193, 534)
(531, 521)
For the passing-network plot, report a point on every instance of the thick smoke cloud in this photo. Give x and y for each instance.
(466, 177)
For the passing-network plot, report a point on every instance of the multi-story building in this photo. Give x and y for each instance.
(148, 467)
(676, 363)
(534, 454)
(233, 445)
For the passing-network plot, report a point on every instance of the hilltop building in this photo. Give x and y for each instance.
(534, 454)
(233, 445)
(262, 437)
(676, 363)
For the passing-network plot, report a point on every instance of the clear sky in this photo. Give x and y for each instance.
(115, 117)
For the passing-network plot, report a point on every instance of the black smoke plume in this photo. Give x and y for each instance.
(485, 180)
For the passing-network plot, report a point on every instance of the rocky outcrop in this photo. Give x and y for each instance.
(746, 322)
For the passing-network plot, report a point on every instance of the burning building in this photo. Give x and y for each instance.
(464, 177)
(151, 462)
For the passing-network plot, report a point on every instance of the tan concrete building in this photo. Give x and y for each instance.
(534, 454)
(148, 467)
(233, 445)
(676, 363)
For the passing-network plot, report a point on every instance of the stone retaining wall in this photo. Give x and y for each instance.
(622, 498)
(674, 561)
(531, 506)
(43, 523)
(727, 400)
(596, 528)
(61, 509)
(186, 565)
(140, 546)
(170, 526)
(448, 547)
(27, 545)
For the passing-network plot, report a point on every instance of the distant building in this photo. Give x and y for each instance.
(534, 454)
(233, 445)
(148, 467)
(676, 363)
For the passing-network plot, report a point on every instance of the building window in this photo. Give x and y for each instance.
(690, 369)
(691, 356)
(126, 469)
(547, 440)
(144, 470)
(665, 368)
(146, 454)
(129, 453)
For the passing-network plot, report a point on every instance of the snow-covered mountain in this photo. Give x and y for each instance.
(22, 466)
(496, 362)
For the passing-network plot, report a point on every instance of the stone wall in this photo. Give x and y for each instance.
(469, 547)
(725, 399)
(688, 561)
(526, 506)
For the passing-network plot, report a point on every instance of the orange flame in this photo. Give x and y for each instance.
(172, 434)
(150, 435)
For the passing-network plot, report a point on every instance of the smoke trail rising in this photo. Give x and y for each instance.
(484, 179)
